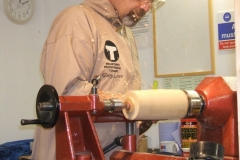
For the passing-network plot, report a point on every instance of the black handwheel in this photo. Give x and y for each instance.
(47, 106)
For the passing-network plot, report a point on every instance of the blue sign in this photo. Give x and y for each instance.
(227, 17)
(226, 31)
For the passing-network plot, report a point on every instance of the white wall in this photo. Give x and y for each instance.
(20, 52)
(237, 31)
(224, 60)
(20, 76)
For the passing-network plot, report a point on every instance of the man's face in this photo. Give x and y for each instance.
(142, 7)
(133, 17)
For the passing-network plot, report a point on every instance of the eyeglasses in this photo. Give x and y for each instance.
(154, 3)
(146, 1)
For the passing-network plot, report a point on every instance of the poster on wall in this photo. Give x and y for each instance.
(226, 30)
(183, 83)
(142, 32)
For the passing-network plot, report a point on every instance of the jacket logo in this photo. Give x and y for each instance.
(111, 51)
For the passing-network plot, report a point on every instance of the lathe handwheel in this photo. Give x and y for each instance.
(47, 106)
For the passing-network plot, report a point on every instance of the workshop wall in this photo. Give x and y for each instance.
(20, 75)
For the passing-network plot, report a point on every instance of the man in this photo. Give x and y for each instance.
(84, 41)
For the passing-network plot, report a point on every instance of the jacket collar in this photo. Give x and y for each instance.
(105, 8)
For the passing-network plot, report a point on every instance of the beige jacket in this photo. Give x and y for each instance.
(87, 40)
